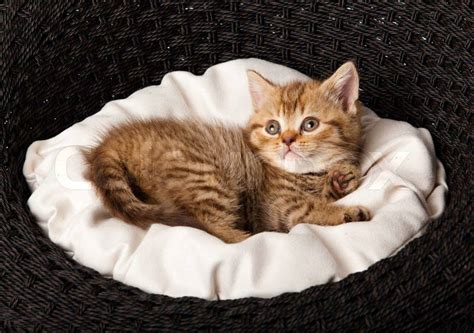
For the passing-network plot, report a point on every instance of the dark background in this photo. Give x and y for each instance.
(63, 60)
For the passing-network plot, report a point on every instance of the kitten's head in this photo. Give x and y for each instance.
(306, 126)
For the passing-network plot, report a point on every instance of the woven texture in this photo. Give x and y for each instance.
(62, 60)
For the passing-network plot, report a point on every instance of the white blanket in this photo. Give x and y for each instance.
(403, 186)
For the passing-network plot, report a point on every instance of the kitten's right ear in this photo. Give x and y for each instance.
(260, 89)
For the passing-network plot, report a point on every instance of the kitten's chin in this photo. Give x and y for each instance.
(315, 163)
(299, 165)
(295, 163)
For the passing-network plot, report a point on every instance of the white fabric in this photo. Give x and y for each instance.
(403, 187)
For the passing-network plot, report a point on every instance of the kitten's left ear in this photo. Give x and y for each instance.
(343, 87)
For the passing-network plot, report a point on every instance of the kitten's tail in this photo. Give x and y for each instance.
(113, 184)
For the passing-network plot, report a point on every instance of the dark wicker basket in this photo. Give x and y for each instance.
(62, 60)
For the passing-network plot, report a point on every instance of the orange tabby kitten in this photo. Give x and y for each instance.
(298, 153)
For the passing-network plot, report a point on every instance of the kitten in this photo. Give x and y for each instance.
(298, 153)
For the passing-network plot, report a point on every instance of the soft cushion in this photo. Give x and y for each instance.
(403, 186)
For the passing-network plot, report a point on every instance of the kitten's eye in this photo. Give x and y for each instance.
(309, 124)
(272, 127)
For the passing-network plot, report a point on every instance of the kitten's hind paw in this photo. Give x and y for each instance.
(356, 214)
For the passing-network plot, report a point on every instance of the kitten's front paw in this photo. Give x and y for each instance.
(343, 180)
(356, 214)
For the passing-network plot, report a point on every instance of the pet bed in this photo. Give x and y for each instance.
(403, 186)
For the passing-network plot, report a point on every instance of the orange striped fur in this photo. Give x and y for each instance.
(234, 182)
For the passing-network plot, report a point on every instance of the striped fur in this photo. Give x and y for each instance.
(233, 182)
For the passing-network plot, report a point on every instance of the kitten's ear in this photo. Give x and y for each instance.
(260, 89)
(343, 86)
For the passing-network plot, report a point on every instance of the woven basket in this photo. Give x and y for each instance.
(62, 60)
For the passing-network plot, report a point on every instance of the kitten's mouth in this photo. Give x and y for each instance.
(290, 154)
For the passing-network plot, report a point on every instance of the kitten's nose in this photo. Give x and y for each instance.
(288, 138)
